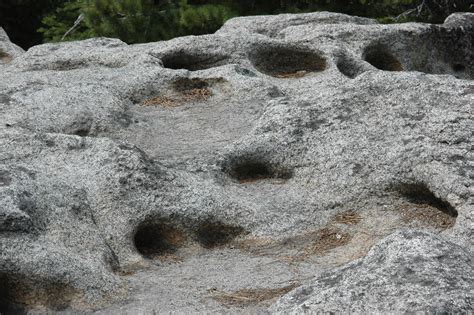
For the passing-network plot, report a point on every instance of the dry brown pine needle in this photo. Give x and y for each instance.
(348, 217)
(161, 101)
(197, 94)
(327, 239)
(249, 296)
(427, 215)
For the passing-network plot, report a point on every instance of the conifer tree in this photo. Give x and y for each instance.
(136, 21)
(57, 23)
(203, 19)
(133, 21)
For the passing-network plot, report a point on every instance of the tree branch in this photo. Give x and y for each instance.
(76, 24)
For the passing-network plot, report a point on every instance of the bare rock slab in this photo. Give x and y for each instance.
(409, 271)
(320, 157)
(8, 50)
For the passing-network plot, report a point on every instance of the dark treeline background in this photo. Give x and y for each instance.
(31, 22)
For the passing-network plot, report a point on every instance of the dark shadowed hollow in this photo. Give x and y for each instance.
(4, 295)
(381, 58)
(193, 61)
(419, 193)
(348, 67)
(186, 84)
(155, 238)
(248, 171)
(287, 62)
(7, 307)
(19, 294)
(212, 234)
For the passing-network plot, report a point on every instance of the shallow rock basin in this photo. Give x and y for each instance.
(285, 164)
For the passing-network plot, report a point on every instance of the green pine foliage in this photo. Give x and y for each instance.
(137, 21)
(57, 23)
(133, 21)
(203, 19)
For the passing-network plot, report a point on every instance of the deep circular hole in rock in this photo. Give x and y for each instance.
(193, 61)
(157, 237)
(211, 234)
(439, 50)
(287, 62)
(420, 194)
(381, 58)
(251, 171)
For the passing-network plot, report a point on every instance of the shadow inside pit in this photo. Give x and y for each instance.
(349, 67)
(251, 171)
(194, 89)
(7, 307)
(381, 58)
(211, 234)
(157, 237)
(438, 50)
(287, 62)
(18, 295)
(186, 84)
(193, 61)
(420, 194)
(81, 132)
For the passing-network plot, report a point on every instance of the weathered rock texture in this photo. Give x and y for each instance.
(8, 50)
(404, 272)
(217, 173)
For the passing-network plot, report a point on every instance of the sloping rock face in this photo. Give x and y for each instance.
(403, 272)
(217, 173)
(8, 50)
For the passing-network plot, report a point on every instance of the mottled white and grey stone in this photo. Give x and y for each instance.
(404, 272)
(341, 112)
(8, 50)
